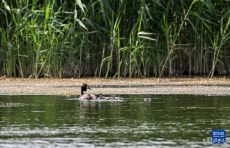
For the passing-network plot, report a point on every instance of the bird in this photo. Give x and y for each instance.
(102, 97)
(148, 99)
(86, 97)
(117, 98)
(113, 97)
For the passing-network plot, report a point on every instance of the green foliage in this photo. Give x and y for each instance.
(114, 38)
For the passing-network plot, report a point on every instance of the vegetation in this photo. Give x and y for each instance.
(114, 38)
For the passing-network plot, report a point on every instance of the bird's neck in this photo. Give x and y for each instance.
(82, 93)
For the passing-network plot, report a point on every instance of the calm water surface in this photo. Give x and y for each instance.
(166, 121)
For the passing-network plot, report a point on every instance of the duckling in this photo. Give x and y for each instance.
(117, 98)
(86, 97)
(148, 99)
(102, 97)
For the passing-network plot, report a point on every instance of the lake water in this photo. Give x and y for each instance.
(166, 121)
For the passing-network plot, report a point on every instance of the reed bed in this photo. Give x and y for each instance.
(114, 38)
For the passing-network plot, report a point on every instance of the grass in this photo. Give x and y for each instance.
(59, 39)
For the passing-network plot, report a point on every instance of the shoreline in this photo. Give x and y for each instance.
(154, 86)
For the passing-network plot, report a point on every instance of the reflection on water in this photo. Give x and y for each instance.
(166, 121)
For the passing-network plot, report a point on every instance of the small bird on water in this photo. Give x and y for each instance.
(148, 99)
(102, 97)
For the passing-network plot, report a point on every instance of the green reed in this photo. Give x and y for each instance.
(79, 38)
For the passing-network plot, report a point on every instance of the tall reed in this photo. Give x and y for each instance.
(113, 38)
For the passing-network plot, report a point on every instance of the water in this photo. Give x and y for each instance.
(166, 121)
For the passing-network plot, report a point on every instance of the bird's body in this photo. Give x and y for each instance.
(108, 98)
(148, 99)
(87, 97)
(94, 97)
(117, 98)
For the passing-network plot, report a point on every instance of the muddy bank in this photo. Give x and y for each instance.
(71, 87)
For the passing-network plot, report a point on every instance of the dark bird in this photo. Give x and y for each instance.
(86, 97)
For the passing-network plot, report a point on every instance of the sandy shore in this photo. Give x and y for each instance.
(71, 87)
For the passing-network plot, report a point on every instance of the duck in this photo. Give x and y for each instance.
(148, 99)
(86, 97)
(113, 97)
(102, 97)
(117, 98)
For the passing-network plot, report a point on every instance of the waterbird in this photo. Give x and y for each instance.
(113, 97)
(102, 97)
(86, 97)
(148, 99)
(117, 98)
